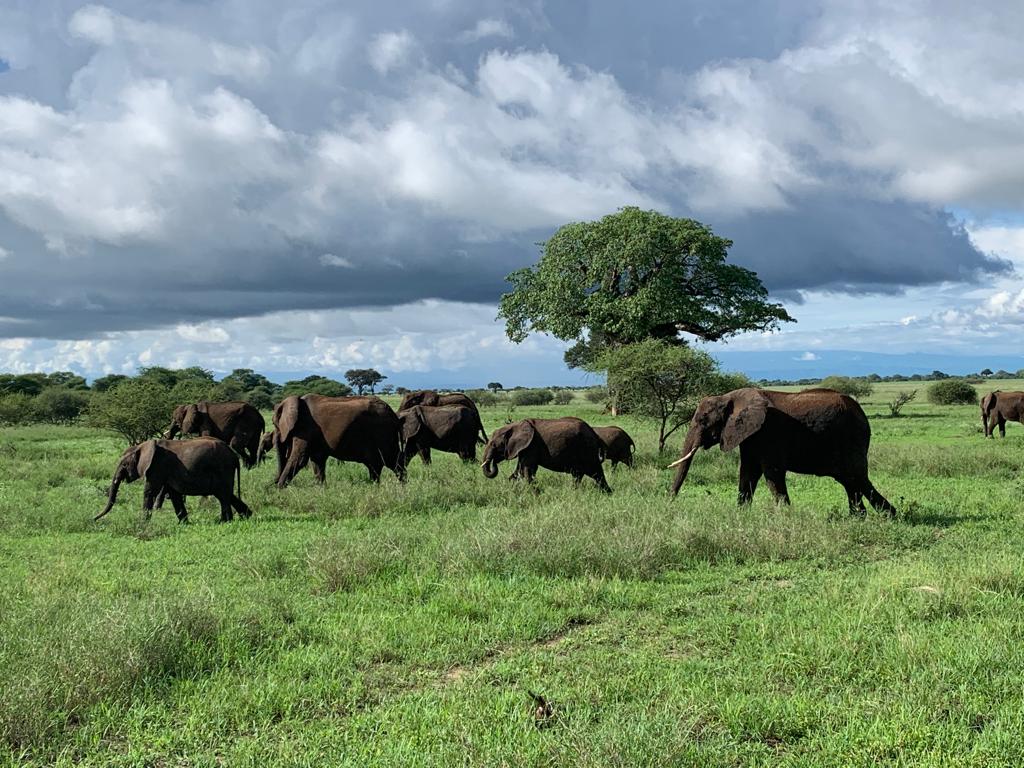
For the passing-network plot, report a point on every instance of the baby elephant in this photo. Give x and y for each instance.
(205, 466)
(618, 445)
(447, 428)
(567, 445)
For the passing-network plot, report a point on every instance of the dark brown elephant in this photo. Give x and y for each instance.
(618, 445)
(997, 408)
(430, 397)
(205, 466)
(266, 446)
(815, 432)
(566, 445)
(447, 428)
(313, 428)
(236, 423)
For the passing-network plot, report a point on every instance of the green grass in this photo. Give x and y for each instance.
(403, 625)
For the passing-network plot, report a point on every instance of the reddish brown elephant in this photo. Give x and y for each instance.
(997, 408)
(236, 423)
(430, 397)
(567, 445)
(313, 428)
(447, 428)
(815, 432)
(205, 466)
(618, 445)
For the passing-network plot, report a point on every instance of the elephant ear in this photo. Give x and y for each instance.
(189, 419)
(147, 454)
(412, 423)
(747, 417)
(286, 417)
(520, 439)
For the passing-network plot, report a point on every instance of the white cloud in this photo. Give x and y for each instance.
(807, 356)
(4, 253)
(390, 50)
(332, 260)
(487, 28)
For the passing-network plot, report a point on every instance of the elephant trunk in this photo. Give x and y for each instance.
(690, 447)
(172, 431)
(112, 496)
(490, 468)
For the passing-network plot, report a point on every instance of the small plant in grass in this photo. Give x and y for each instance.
(952, 392)
(901, 399)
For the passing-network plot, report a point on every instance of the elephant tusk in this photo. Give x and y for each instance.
(687, 457)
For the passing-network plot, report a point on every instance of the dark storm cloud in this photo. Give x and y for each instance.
(170, 163)
(852, 245)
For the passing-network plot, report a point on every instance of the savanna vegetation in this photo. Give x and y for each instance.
(356, 624)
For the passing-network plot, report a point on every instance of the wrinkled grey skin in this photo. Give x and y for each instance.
(997, 408)
(618, 445)
(816, 432)
(236, 423)
(446, 428)
(205, 466)
(566, 445)
(430, 397)
(313, 428)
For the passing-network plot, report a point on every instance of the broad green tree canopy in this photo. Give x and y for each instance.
(636, 275)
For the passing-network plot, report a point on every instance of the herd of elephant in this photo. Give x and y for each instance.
(818, 432)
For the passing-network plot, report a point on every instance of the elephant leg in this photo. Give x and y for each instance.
(750, 473)
(298, 457)
(319, 469)
(855, 497)
(598, 476)
(776, 482)
(178, 502)
(877, 500)
(374, 465)
(240, 506)
(1002, 427)
(226, 515)
(425, 455)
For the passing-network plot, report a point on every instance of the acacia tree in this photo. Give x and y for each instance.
(364, 378)
(635, 275)
(664, 381)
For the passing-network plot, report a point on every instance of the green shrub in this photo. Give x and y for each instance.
(597, 395)
(952, 392)
(16, 409)
(563, 397)
(484, 398)
(857, 388)
(60, 405)
(137, 409)
(532, 397)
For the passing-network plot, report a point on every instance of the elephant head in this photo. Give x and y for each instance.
(266, 446)
(506, 444)
(134, 463)
(725, 420)
(187, 420)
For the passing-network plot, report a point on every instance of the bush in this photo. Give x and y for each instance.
(857, 388)
(563, 397)
(484, 398)
(60, 405)
(532, 397)
(901, 399)
(952, 392)
(16, 409)
(137, 409)
(597, 395)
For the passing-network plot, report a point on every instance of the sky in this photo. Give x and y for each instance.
(312, 186)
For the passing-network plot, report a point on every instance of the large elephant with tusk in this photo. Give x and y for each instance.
(816, 432)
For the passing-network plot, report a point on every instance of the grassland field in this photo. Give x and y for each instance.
(356, 624)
